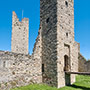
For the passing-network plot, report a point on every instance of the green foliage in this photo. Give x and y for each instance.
(83, 83)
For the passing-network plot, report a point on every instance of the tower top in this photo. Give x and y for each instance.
(15, 17)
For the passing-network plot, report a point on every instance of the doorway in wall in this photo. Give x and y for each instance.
(67, 68)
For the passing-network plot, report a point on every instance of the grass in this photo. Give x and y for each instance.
(82, 83)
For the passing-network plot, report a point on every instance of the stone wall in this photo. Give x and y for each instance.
(82, 63)
(48, 14)
(20, 35)
(18, 70)
(38, 47)
(57, 18)
(87, 64)
(67, 46)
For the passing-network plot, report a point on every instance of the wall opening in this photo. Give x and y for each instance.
(4, 64)
(66, 63)
(47, 21)
(42, 68)
(67, 68)
(66, 3)
(66, 34)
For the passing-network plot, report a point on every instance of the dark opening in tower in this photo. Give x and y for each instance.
(66, 3)
(67, 68)
(66, 63)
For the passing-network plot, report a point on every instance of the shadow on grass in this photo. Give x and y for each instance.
(80, 87)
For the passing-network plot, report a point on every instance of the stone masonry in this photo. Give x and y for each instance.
(82, 67)
(87, 65)
(18, 70)
(20, 35)
(83, 64)
(59, 49)
(55, 50)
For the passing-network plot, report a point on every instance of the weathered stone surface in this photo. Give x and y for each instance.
(20, 35)
(55, 50)
(48, 19)
(87, 65)
(81, 63)
(18, 70)
(84, 65)
(57, 22)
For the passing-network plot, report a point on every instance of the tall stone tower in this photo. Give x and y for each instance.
(20, 35)
(59, 49)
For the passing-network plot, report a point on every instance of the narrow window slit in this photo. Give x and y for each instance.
(66, 3)
(43, 68)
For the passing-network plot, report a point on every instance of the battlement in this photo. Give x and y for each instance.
(14, 15)
(25, 19)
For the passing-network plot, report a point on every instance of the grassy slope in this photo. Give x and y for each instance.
(83, 83)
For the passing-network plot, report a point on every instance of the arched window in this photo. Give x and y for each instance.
(66, 63)
(67, 68)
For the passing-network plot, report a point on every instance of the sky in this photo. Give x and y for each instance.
(31, 10)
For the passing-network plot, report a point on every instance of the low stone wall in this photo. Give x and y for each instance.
(84, 65)
(81, 63)
(18, 70)
(87, 66)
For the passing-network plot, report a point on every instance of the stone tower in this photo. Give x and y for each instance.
(20, 35)
(59, 49)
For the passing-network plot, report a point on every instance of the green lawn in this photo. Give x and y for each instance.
(83, 83)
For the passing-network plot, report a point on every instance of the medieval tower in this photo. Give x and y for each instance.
(59, 49)
(20, 35)
(56, 54)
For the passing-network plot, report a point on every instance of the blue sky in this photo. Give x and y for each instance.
(32, 11)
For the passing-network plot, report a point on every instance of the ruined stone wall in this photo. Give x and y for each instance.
(20, 35)
(37, 50)
(87, 65)
(18, 70)
(82, 63)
